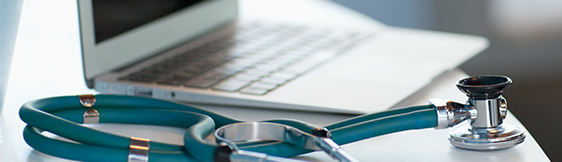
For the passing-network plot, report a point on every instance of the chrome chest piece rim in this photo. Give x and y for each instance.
(501, 137)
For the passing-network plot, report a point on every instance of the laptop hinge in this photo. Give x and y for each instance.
(90, 83)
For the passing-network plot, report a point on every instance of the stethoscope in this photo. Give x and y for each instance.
(271, 140)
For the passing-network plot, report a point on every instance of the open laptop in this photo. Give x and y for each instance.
(280, 54)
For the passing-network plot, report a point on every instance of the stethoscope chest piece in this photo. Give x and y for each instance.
(502, 137)
(486, 130)
(318, 139)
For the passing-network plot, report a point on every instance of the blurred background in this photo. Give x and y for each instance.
(525, 44)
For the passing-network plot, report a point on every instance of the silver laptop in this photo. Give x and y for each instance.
(297, 55)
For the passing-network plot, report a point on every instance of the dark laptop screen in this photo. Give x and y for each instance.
(113, 17)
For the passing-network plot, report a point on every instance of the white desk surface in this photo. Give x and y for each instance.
(47, 63)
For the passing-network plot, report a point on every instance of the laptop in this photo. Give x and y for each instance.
(278, 54)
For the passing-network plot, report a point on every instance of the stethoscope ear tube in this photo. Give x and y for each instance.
(418, 119)
(63, 115)
(365, 126)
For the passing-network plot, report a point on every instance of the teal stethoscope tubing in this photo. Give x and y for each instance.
(58, 115)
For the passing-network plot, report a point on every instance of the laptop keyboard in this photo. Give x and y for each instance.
(255, 59)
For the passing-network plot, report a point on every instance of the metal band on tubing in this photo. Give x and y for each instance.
(87, 100)
(91, 116)
(138, 150)
(442, 113)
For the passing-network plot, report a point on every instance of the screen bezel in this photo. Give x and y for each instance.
(149, 39)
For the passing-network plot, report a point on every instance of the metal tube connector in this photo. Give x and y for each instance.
(451, 113)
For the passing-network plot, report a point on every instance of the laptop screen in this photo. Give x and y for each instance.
(112, 18)
(115, 34)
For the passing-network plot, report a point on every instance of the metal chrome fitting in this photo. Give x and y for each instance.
(87, 100)
(503, 107)
(91, 116)
(451, 113)
(489, 115)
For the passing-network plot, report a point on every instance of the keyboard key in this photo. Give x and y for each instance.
(244, 77)
(202, 82)
(187, 72)
(246, 61)
(175, 62)
(266, 54)
(279, 62)
(187, 57)
(300, 53)
(155, 70)
(309, 63)
(253, 91)
(220, 73)
(221, 43)
(234, 67)
(262, 86)
(144, 77)
(218, 58)
(199, 67)
(172, 80)
(165, 66)
(267, 67)
(270, 81)
(235, 64)
(282, 76)
(235, 50)
(289, 72)
(230, 85)
(256, 72)
(291, 57)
